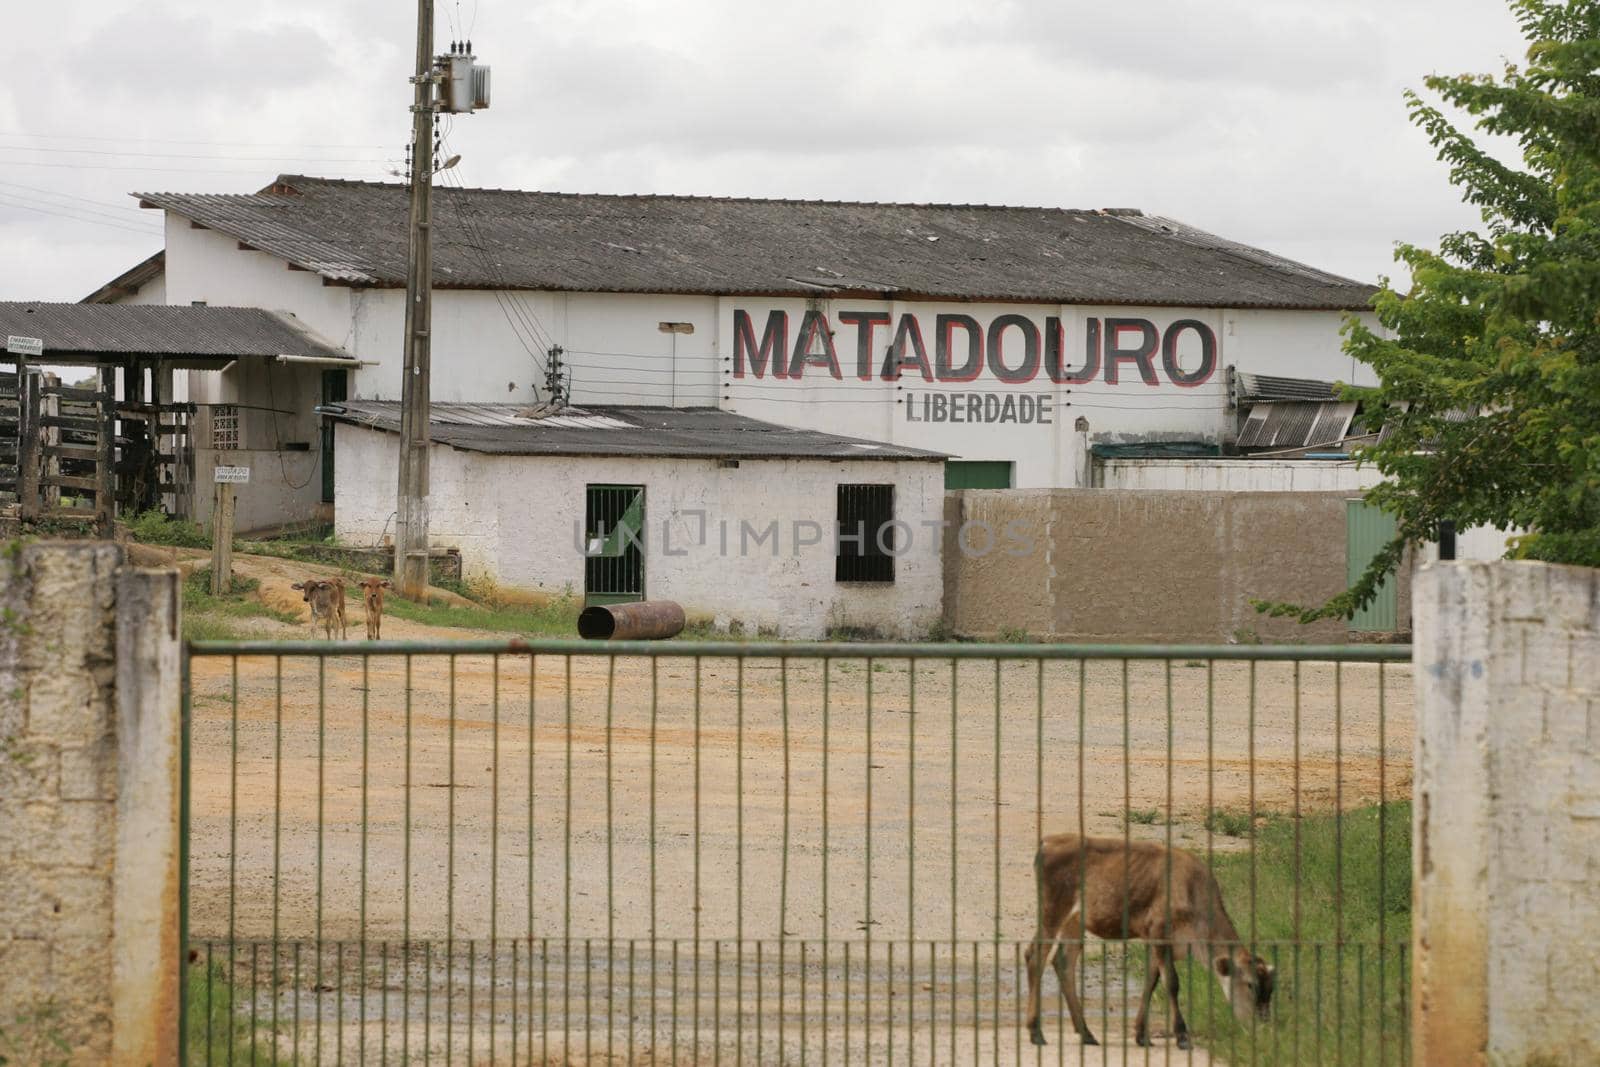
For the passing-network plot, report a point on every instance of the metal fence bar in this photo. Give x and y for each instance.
(700, 826)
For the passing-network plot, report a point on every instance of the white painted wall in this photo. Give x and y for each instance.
(153, 291)
(519, 519)
(1239, 475)
(491, 347)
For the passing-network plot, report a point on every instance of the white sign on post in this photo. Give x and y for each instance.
(24, 346)
(231, 475)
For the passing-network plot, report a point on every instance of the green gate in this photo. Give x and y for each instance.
(534, 852)
(613, 537)
(1367, 530)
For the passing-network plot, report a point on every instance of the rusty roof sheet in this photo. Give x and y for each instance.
(619, 430)
(355, 232)
(79, 331)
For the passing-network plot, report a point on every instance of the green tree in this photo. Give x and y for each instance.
(1490, 366)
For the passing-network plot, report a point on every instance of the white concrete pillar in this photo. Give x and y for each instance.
(90, 743)
(1506, 858)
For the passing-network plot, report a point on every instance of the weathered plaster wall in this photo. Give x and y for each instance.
(1507, 815)
(519, 520)
(89, 771)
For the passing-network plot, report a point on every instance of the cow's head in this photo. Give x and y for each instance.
(318, 592)
(371, 586)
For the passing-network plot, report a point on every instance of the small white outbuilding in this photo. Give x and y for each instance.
(786, 531)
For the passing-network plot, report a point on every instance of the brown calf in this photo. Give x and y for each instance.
(372, 593)
(325, 596)
(1124, 891)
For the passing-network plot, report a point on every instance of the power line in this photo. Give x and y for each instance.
(189, 155)
(174, 170)
(508, 312)
(530, 319)
(158, 140)
(124, 205)
(23, 206)
(115, 216)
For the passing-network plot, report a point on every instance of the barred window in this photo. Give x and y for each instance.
(225, 426)
(866, 534)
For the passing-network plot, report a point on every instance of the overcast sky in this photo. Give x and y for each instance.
(1278, 123)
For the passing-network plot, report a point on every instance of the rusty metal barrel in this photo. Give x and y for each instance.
(643, 620)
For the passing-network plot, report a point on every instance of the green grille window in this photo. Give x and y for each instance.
(613, 534)
(977, 474)
(866, 536)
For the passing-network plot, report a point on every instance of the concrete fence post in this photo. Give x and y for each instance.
(1506, 928)
(90, 749)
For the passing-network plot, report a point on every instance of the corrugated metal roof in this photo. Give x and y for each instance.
(218, 333)
(355, 232)
(1272, 387)
(510, 429)
(1292, 424)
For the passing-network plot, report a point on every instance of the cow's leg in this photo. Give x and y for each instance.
(1152, 978)
(1038, 953)
(1044, 946)
(1066, 961)
(1170, 970)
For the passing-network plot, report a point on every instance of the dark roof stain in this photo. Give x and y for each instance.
(619, 430)
(181, 332)
(354, 233)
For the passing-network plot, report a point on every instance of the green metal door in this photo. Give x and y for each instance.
(1367, 530)
(977, 474)
(613, 537)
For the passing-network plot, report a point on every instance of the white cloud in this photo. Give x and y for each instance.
(1278, 124)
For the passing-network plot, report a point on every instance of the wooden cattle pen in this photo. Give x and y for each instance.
(95, 420)
(89, 451)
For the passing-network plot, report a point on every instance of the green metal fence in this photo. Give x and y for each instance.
(697, 852)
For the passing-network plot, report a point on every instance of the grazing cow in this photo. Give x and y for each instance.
(1125, 891)
(325, 596)
(372, 592)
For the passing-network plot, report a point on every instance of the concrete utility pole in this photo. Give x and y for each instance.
(411, 520)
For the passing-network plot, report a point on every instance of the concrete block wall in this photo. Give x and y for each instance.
(1147, 565)
(1507, 815)
(90, 743)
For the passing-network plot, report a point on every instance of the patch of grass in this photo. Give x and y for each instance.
(1144, 816)
(847, 632)
(1229, 823)
(238, 602)
(212, 618)
(210, 628)
(1331, 893)
(1015, 635)
(558, 618)
(156, 528)
(220, 1030)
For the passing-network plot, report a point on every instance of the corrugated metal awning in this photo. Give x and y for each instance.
(1296, 424)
